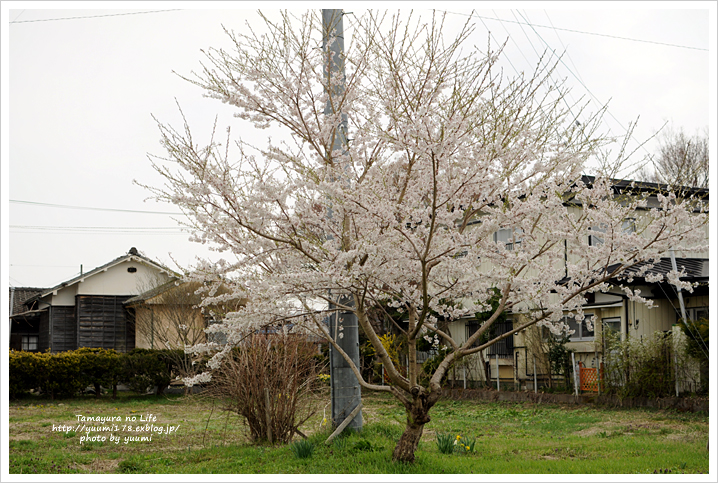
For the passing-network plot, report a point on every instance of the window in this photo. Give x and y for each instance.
(581, 332)
(509, 236)
(595, 239)
(504, 347)
(29, 342)
(694, 313)
(612, 325)
(218, 337)
(629, 225)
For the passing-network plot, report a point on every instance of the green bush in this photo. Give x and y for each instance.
(63, 375)
(146, 368)
(67, 374)
(25, 372)
(640, 367)
(697, 346)
(101, 367)
(559, 357)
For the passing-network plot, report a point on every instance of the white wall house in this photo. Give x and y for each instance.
(89, 310)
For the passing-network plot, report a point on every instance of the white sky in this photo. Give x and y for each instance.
(78, 97)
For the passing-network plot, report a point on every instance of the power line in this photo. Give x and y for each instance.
(53, 205)
(71, 231)
(582, 32)
(45, 227)
(105, 233)
(18, 15)
(92, 16)
(53, 266)
(578, 78)
(565, 49)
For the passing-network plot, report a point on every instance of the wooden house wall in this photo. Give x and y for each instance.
(43, 339)
(15, 341)
(63, 330)
(131, 329)
(102, 322)
(23, 326)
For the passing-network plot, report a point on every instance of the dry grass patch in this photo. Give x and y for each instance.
(98, 465)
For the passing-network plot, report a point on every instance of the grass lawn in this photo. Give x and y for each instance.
(510, 438)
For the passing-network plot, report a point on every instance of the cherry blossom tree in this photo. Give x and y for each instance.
(442, 152)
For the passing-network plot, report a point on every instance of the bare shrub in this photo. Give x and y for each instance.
(277, 367)
(536, 340)
(641, 367)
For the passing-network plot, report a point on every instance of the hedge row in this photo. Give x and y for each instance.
(67, 374)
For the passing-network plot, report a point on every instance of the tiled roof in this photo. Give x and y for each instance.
(20, 295)
(695, 268)
(144, 296)
(622, 185)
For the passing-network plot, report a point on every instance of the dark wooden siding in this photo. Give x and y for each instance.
(102, 322)
(24, 326)
(15, 342)
(130, 317)
(63, 331)
(44, 332)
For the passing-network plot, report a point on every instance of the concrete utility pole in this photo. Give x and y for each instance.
(345, 388)
(683, 315)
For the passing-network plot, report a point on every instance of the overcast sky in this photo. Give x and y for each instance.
(80, 88)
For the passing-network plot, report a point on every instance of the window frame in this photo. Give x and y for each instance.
(26, 343)
(595, 240)
(513, 241)
(504, 347)
(692, 312)
(605, 321)
(628, 225)
(580, 327)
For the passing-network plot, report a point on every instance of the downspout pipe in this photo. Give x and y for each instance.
(12, 308)
(678, 288)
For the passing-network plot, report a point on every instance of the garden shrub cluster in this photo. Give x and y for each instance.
(67, 374)
(640, 367)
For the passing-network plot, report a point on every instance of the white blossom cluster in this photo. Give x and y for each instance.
(442, 153)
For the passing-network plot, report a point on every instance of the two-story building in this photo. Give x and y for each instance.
(519, 358)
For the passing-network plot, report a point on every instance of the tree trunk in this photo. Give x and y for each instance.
(417, 417)
(409, 441)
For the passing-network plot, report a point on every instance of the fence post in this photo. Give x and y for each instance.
(535, 383)
(575, 380)
(498, 387)
(675, 355)
(598, 371)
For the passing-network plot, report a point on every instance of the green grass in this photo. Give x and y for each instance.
(508, 438)
(302, 449)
